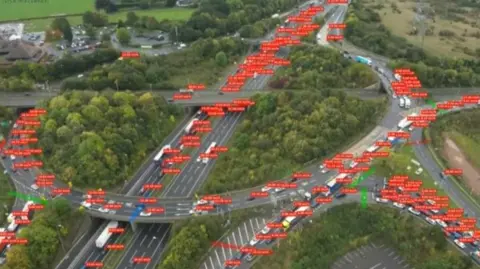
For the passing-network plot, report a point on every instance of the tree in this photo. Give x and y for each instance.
(95, 19)
(123, 36)
(170, 3)
(132, 18)
(90, 31)
(221, 59)
(61, 24)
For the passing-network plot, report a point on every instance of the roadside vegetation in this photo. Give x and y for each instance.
(48, 227)
(401, 162)
(203, 62)
(456, 142)
(333, 234)
(22, 76)
(98, 140)
(365, 30)
(191, 239)
(6, 201)
(451, 27)
(315, 67)
(284, 131)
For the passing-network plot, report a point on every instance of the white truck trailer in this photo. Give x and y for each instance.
(106, 234)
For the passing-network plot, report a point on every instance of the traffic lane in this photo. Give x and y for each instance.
(177, 187)
(196, 180)
(239, 237)
(159, 249)
(181, 185)
(142, 243)
(97, 254)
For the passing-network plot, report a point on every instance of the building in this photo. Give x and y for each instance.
(14, 50)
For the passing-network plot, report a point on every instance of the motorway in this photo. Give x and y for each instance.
(187, 181)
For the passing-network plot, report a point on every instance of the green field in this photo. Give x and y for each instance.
(19, 10)
(468, 146)
(159, 14)
(406, 152)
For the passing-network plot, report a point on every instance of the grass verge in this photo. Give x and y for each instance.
(5, 199)
(175, 14)
(441, 162)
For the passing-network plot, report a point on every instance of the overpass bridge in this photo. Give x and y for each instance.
(212, 96)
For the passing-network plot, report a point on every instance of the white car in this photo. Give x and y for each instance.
(12, 157)
(88, 196)
(398, 205)
(459, 244)
(394, 96)
(199, 159)
(200, 202)
(324, 170)
(381, 200)
(279, 189)
(265, 189)
(441, 223)
(265, 230)
(34, 186)
(410, 129)
(103, 210)
(254, 241)
(353, 164)
(431, 221)
(85, 204)
(419, 171)
(145, 214)
(413, 211)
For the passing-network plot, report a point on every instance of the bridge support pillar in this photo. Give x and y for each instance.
(134, 226)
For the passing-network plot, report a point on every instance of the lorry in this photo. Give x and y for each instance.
(188, 129)
(408, 102)
(404, 123)
(363, 60)
(106, 234)
(333, 186)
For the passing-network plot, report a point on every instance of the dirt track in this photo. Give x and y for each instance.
(456, 159)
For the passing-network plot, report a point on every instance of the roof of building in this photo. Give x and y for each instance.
(18, 50)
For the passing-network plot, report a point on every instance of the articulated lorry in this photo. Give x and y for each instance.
(106, 234)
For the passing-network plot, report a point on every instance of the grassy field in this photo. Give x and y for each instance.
(428, 181)
(468, 146)
(460, 27)
(21, 10)
(159, 14)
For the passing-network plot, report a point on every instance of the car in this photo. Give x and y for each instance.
(278, 190)
(265, 230)
(145, 214)
(199, 159)
(323, 169)
(399, 205)
(103, 210)
(250, 198)
(112, 212)
(86, 204)
(413, 211)
(294, 179)
(249, 257)
(340, 195)
(12, 157)
(34, 186)
(269, 241)
(430, 221)
(441, 223)
(381, 200)
(265, 189)
(459, 243)
(254, 241)
(200, 202)
(394, 96)
(221, 93)
(27, 94)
